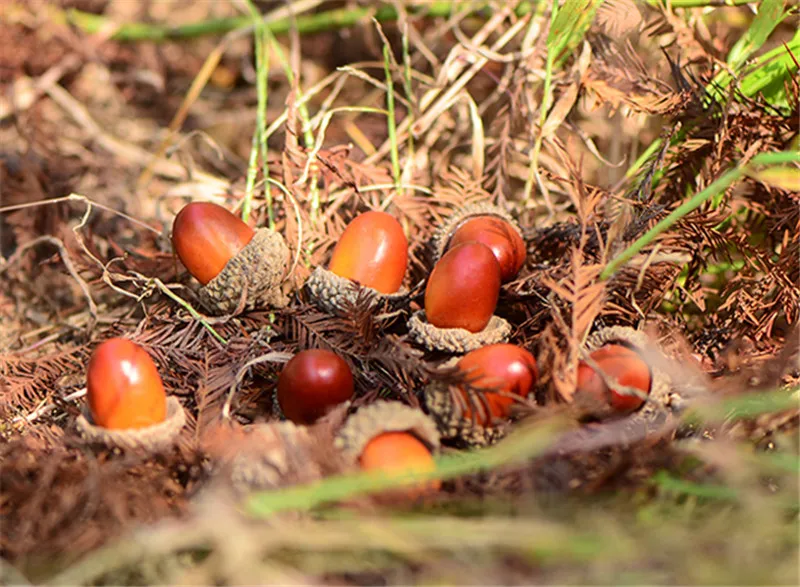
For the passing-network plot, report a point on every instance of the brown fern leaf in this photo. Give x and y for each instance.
(27, 382)
(617, 76)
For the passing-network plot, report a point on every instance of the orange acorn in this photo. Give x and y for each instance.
(497, 234)
(372, 251)
(619, 363)
(124, 388)
(392, 437)
(206, 236)
(463, 288)
(399, 452)
(508, 368)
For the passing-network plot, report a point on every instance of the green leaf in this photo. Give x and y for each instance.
(571, 22)
(667, 482)
(770, 14)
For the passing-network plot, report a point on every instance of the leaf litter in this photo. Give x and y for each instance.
(718, 291)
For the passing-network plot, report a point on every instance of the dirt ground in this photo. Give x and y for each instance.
(594, 150)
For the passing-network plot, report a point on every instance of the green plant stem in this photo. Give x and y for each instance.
(526, 443)
(391, 122)
(306, 24)
(718, 186)
(700, 3)
(258, 146)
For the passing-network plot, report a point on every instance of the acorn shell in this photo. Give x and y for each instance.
(662, 398)
(456, 340)
(380, 417)
(152, 439)
(446, 231)
(257, 272)
(333, 293)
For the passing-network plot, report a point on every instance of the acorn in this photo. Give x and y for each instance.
(392, 437)
(370, 258)
(496, 378)
(311, 384)
(460, 299)
(232, 261)
(487, 224)
(622, 360)
(128, 407)
(620, 366)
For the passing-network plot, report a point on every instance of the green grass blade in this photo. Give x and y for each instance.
(770, 14)
(717, 187)
(523, 444)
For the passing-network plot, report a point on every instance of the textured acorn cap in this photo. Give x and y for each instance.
(446, 231)
(456, 340)
(448, 414)
(257, 272)
(379, 418)
(150, 439)
(661, 396)
(333, 293)
(279, 454)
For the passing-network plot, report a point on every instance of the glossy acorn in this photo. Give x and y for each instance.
(206, 236)
(619, 363)
(311, 383)
(373, 252)
(123, 387)
(463, 288)
(399, 452)
(392, 437)
(503, 239)
(508, 368)
(235, 263)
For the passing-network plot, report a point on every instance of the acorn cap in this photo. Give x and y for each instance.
(256, 272)
(661, 395)
(149, 439)
(333, 293)
(265, 462)
(456, 340)
(446, 231)
(381, 417)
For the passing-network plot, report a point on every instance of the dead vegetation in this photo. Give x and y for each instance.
(485, 108)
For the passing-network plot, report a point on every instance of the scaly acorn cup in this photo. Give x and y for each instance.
(653, 406)
(369, 260)
(488, 224)
(475, 416)
(392, 437)
(460, 298)
(279, 454)
(127, 406)
(231, 260)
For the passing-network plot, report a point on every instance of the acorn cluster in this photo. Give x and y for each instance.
(477, 251)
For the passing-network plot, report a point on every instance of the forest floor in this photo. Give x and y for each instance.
(648, 150)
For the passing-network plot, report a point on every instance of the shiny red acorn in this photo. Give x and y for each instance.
(497, 234)
(622, 364)
(463, 288)
(311, 383)
(508, 368)
(206, 236)
(123, 386)
(398, 453)
(372, 251)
